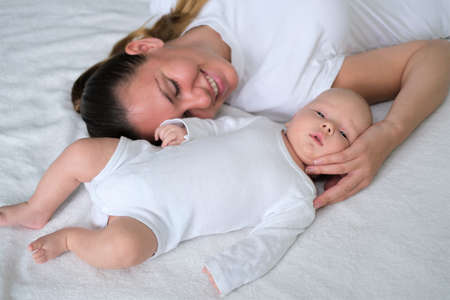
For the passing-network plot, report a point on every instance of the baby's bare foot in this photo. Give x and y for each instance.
(49, 246)
(22, 214)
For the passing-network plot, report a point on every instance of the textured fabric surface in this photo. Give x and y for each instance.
(390, 241)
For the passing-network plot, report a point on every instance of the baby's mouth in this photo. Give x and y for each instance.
(317, 138)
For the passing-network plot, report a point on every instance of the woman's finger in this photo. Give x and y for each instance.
(333, 169)
(346, 187)
(348, 154)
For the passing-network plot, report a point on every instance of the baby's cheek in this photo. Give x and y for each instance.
(339, 144)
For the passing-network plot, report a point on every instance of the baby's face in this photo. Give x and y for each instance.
(329, 124)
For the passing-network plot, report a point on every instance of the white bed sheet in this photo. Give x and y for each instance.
(391, 241)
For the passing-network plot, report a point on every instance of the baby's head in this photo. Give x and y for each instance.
(329, 124)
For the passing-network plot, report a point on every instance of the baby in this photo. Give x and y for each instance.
(229, 174)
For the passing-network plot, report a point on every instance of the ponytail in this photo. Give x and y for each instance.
(168, 27)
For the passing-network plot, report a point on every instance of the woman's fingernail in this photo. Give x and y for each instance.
(316, 162)
(309, 170)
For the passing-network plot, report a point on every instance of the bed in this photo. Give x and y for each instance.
(390, 241)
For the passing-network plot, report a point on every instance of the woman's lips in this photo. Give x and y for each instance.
(213, 86)
(220, 83)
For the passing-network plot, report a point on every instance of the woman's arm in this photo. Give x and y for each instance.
(417, 76)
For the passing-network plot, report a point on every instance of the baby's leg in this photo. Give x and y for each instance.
(23, 214)
(80, 162)
(123, 243)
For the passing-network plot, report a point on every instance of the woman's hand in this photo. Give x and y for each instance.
(356, 165)
(417, 76)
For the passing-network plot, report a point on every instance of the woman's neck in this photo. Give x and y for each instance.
(206, 38)
(291, 151)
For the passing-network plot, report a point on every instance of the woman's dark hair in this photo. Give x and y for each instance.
(100, 106)
(95, 92)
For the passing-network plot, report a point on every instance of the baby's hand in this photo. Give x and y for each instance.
(170, 134)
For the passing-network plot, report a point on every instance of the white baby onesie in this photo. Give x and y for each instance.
(233, 173)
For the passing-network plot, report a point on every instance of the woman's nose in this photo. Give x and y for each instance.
(328, 128)
(197, 99)
(198, 95)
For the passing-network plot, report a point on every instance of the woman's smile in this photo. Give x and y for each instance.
(213, 85)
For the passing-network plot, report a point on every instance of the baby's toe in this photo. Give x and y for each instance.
(38, 253)
(33, 246)
(2, 219)
(41, 260)
(40, 256)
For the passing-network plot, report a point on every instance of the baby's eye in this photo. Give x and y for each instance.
(320, 114)
(343, 134)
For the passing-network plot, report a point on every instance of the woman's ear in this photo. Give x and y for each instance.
(143, 46)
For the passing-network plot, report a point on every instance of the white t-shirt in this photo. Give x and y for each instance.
(238, 174)
(286, 52)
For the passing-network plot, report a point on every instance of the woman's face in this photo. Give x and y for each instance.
(176, 82)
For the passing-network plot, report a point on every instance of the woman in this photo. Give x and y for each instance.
(245, 53)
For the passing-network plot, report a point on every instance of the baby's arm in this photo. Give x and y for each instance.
(79, 162)
(257, 254)
(175, 131)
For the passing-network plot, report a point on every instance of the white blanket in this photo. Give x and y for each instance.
(390, 241)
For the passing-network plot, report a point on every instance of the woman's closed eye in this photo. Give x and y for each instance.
(163, 87)
(175, 86)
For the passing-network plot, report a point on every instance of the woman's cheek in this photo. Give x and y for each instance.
(209, 113)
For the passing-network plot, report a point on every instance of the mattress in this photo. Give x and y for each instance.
(390, 241)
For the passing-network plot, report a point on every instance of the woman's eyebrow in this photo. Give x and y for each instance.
(163, 92)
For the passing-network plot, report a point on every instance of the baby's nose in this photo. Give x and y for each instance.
(328, 128)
